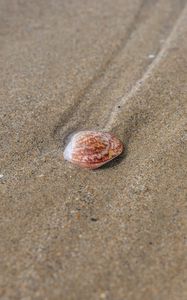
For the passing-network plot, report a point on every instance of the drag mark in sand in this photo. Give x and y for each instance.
(67, 114)
(114, 117)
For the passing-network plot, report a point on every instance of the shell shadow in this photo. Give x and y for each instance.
(130, 127)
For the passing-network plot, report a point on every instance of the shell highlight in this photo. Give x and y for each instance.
(92, 149)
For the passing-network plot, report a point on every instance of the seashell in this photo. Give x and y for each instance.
(92, 149)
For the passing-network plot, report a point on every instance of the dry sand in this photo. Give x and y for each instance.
(120, 232)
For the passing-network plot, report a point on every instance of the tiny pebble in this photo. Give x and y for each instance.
(1, 176)
(151, 55)
(103, 296)
(94, 219)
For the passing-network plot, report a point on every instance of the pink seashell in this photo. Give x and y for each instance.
(92, 149)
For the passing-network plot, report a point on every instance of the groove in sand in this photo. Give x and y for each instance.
(115, 113)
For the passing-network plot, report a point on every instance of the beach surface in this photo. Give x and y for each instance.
(119, 232)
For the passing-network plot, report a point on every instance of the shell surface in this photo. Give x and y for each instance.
(92, 149)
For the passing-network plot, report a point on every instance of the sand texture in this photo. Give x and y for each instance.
(119, 232)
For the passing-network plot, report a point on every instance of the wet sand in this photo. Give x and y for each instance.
(119, 232)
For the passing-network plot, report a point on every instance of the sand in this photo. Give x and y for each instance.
(119, 232)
